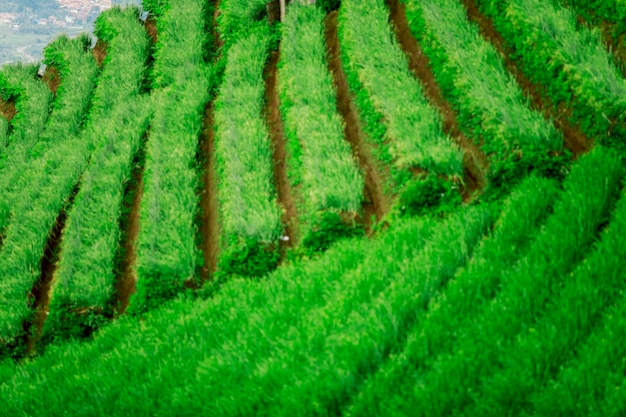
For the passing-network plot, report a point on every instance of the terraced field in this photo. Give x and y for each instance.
(373, 207)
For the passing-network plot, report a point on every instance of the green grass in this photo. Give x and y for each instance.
(167, 255)
(570, 63)
(413, 127)
(249, 213)
(57, 173)
(493, 111)
(321, 169)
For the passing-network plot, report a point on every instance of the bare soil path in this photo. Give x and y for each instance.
(277, 137)
(209, 205)
(7, 110)
(40, 293)
(574, 139)
(475, 162)
(129, 227)
(375, 202)
(52, 78)
(100, 52)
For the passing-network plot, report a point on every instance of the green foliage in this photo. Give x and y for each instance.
(238, 18)
(327, 228)
(413, 127)
(494, 111)
(156, 7)
(321, 168)
(520, 221)
(570, 63)
(4, 132)
(57, 172)
(570, 317)
(328, 5)
(248, 206)
(520, 300)
(248, 258)
(166, 245)
(428, 195)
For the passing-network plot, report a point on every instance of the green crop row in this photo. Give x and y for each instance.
(590, 191)
(84, 283)
(166, 245)
(238, 18)
(258, 320)
(570, 63)
(78, 72)
(249, 214)
(568, 320)
(32, 103)
(4, 132)
(321, 169)
(59, 170)
(472, 287)
(413, 127)
(602, 11)
(490, 104)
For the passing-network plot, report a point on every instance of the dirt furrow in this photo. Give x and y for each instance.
(129, 230)
(52, 78)
(209, 206)
(475, 162)
(574, 139)
(40, 293)
(277, 137)
(375, 201)
(7, 109)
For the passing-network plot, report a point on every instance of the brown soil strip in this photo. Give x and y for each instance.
(475, 162)
(126, 283)
(41, 290)
(574, 139)
(217, 39)
(375, 201)
(277, 136)
(52, 78)
(100, 52)
(208, 213)
(151, 29)
(7, 109)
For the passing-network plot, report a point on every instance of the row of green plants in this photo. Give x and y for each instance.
(448, 379)
(87, 271)
(167, 255)
(58, 172)
(250, 217)
(77, 69)
(403, 128)
(569, 319)
(322, 171)
(490, 105)
(522, 216)
(32, 98)
(569, 62)
(245, 318)
(19, 84)
(4, 132)
(601, 13)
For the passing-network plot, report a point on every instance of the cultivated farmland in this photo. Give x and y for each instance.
(360, 207)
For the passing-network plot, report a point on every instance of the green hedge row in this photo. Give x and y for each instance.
(32, 103)
(451, 379)
(570, 63)
(491, 107)
(78, 72)
(321, 169)
(167, 255)
(601, 11)
(57, 173)
(249, 213)
(413, 127)
(4, 132)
